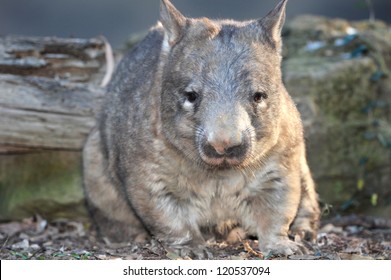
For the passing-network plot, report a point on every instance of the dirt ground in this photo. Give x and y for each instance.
(350, 237)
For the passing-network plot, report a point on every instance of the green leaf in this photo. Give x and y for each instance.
(75, 256)
(173, 256)
(374, 198)
(360, 184)
(19, 255)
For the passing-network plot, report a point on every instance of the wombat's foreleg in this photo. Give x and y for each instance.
(273, 210)
(307, 219)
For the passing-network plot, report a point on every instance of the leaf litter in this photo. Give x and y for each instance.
(342, 238)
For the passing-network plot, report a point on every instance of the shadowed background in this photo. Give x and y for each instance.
(117, 19)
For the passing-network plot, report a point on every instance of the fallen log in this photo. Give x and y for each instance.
(42, 113)
(79, 60)
(49, 92)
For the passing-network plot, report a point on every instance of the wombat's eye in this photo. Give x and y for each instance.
(191, 96)
(259, 96)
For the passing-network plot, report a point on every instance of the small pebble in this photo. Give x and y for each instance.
(24, 244)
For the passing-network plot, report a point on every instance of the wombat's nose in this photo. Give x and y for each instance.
(226, 147)
(224, 144)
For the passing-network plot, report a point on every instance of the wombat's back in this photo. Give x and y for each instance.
(129, 107)
(128, 97)
(138, 65)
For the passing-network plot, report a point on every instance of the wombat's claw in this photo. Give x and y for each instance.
(199, 252)
(307, 234)
(285, 248)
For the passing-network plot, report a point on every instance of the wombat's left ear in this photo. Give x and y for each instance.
(172, 20)
(273, 22)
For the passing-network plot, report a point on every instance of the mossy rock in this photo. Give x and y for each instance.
(309, 28)
(47, 183)
(343, 94)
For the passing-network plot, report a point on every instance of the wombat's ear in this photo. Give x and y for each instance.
(172, 20)
(273, 22)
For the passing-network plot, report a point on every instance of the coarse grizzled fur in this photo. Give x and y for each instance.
(198, 136)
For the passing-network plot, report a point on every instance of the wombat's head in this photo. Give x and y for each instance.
(221, 88)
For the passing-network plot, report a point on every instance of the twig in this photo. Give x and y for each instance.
(249, 249)
(110, 64)
(42, 249)
(5, 243)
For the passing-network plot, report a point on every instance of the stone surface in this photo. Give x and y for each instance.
(45, 183)
(338, 73)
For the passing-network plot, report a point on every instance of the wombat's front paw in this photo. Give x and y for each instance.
(305, 234)
(197, 252)
(283, 247)
(304, 228)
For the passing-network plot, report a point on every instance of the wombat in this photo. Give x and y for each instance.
(198, 136)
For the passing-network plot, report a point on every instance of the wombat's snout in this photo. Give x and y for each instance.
(222, 147)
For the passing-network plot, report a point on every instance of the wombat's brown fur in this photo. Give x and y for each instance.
(198, 135)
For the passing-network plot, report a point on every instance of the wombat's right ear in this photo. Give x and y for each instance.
(173, 22)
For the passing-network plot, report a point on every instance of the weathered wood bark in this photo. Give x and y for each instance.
(77, 60)
(49, 92)
(45, 113)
